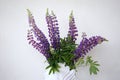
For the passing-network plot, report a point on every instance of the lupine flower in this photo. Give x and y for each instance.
(72, 28)
(53, 30)
(87, 44)
(37, 38)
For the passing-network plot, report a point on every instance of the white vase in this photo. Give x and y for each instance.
(64, 74)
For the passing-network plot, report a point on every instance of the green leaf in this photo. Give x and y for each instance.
(53, 70)
(56, 69)
(50, 71)
(48, 67)
(93, 65)
(93, 69)
(80, 61)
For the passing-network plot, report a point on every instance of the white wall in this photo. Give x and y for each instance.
(20, 61)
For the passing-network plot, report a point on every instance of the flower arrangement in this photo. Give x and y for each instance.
(62, 50)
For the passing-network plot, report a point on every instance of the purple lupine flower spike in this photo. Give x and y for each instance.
(37, 38)
(53, 30)
(87, 44)
(72, 28)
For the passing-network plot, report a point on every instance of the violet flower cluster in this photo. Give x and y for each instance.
(53, 30)
(72, 28)
(37, 38)
(87, 44)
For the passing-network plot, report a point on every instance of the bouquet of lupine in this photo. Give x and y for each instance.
(62, 50)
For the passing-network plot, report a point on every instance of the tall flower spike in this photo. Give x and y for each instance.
(87, 44)
(53, 30)
(37, 38)
(72, 28)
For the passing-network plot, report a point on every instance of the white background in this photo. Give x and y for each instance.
(20, 61)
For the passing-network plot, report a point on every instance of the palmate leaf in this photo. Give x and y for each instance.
(53, 68)
(53, 63)
(93, 65)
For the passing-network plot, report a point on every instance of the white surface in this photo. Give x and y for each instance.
(19, 61)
